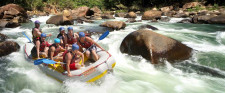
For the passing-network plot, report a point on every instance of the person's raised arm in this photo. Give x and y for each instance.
(49, 35)
(91, 40)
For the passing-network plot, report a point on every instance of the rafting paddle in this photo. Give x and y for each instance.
(44, 60)
(27, 37)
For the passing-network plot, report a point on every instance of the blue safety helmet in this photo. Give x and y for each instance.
(75, 47)
(37, 22)
(43, 35)
(81, 34)
(70, 28)
(56, 40)
(61, 29)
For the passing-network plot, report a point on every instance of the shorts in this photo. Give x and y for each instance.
(72, 66)
(93, 47)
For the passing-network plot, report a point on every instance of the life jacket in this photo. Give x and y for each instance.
(43, 45)
(71, 40)
(56, 50)
(35, 38)
(73, 58)
(86, 44)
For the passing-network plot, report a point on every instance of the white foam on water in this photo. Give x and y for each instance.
(42, 19)
(175, 20)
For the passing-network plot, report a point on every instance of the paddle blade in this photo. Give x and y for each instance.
(48, 61)
(27, 37)
(105, 34)
(39, 61)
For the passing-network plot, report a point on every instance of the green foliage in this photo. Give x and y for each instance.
(214, 7)
(197, 8)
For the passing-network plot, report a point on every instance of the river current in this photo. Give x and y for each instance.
(203, 73)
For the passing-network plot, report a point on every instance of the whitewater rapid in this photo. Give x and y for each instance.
(132, 74)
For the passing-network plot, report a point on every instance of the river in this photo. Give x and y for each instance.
(203, 73)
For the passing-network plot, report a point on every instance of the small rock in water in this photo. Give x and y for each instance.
(148, 26)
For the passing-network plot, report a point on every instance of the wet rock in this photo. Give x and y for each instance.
(131, 15)
(59, 20)
(191, 5)
(131, 20)
(96, 10)
(8, 47)
(151, 14)
(217, 20)
(81, 12)
(11, 15)
(3, 23)
(202, 19)
(3, 37)
(181, 15)
(66, 13)
(154, 20)
(166, 9)
(14, 10)
(96, 18)
(192, 13)
(114, 24)
(202, 13)
(106, 16)
(8, 24)
(185, 21)
(155, 47)
(169, 14)
(120, 14)
(148, 27)
(165, 19)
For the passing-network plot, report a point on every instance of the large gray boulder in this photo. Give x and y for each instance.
(11, 15)
(153, 46)
(217, 19)
(60, 20)
(8, 47)
(114, 24)
(151, 14)
(131, 15)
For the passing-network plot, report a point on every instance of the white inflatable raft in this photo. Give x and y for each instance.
(89, 73)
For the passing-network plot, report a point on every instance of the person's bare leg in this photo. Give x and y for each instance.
(94, 55)
(52, 50)
(77, 61)
(78, 66)
(87, 54)
(46, 51)
(38, 47)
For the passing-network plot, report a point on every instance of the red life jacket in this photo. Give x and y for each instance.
(71, 40)
(86, 44)
(43, 45)
(73, 59)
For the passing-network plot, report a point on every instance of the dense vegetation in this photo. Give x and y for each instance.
(105, 4)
